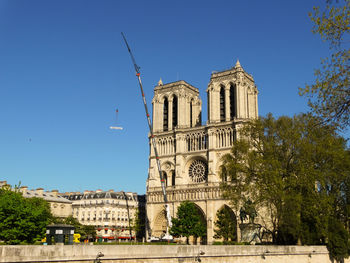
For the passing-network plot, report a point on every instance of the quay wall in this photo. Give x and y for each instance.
(168, 253)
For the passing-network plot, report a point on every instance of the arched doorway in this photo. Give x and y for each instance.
(160, 225)
(225, 224)
(190, 224)
(201, 240)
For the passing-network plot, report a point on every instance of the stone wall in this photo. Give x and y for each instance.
(162, 254)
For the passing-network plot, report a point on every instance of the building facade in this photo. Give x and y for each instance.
(60, 207)
(190, 153)
(112, 213)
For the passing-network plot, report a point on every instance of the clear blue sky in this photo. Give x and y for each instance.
(64, 69)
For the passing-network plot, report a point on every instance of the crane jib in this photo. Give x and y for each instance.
(162, 179)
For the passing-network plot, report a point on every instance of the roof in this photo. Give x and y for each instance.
(103, 195)
(175, 84)
(47, 196)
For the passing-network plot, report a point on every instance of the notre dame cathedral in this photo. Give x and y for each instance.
(190, 153)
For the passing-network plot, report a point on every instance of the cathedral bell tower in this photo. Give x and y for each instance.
(232, 95)
(175, 105)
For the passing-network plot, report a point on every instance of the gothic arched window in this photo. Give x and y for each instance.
(165, 177)
(191, 113)
(222, 104)
(165, 114)
(174, 111)
(233, 100)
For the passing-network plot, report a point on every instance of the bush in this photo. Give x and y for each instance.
(338, 241)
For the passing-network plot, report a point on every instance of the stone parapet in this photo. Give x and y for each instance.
(169, 253)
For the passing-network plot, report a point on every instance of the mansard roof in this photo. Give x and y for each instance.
(47, 196)
(103, 195)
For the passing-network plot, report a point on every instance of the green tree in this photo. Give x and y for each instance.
(89, 231)
(329, 96)
(226, 225)
(294, 171)
(139, 224)
(22, 219)
(188, 222)
(338, 244)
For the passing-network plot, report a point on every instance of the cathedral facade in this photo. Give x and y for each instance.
(189, 152)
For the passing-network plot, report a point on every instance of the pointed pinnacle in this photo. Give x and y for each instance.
(160, 82)
(238, 65)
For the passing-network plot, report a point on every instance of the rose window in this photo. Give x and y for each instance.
(198, 171)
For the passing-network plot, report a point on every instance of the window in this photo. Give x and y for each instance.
(233, 96)
(165, 177)
(191, 113)
(174, 112)
(222, 104)
(172, 178)
(198, 171)
(165, 114)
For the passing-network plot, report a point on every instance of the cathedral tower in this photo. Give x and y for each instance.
(190, 153)
(232, 95)
(175, 105)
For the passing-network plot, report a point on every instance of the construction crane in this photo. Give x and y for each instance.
(167, 236)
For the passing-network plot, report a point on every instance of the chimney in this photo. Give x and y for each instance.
(3, 183)
(23, 190)
(39, 191)
(54, 193)
(98, 191)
